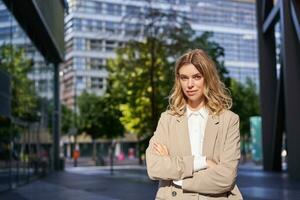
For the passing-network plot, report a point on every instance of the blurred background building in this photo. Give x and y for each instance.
(42, 73)
(95, 28)
(12, 33)
(32, 47)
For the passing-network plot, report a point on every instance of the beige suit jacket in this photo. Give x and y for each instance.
(221, 144)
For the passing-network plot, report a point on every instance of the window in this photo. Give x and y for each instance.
(132, 10)
(95, 63)
(42, 85)
(132, 29)
(80, 82)
(79, 63)
(95, 44)
(4, 16)
(96, 83)
(113, 9)
(79, 44)
(113, 27)
(110, 45)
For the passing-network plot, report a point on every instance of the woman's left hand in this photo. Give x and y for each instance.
(161, 149)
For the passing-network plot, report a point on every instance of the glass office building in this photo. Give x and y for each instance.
(42, 73)
(233, 23)
(26, 150)
(94, 28)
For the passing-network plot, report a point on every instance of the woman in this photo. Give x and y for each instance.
(195, 150)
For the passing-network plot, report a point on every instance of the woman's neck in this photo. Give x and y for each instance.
(195, 105)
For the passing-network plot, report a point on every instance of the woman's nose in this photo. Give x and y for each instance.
(190, 83)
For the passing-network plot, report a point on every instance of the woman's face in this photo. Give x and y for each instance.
(192, 84)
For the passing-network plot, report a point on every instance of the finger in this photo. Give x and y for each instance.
(157, 152)
(161, 149)
(158, 146)
(166, 150)
(157, 149)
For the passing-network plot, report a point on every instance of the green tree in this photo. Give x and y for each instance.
(99, 118)
(24, 99)
(245, 103)
(67, 117)
(140, 82)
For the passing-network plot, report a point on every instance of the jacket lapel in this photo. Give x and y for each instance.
(183, 131)
(211, 131)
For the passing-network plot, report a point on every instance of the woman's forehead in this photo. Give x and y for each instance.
(189, 69)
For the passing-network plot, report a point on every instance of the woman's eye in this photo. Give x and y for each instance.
(197, 77)
(183, 78)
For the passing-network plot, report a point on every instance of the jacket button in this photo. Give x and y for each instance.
(174, 193)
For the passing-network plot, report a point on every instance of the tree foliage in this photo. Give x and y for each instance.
(67, 117)
(135, 78)
(245, 103)
(23, 97)
(98, 118)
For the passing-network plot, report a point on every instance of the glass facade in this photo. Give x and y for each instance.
(25, 145)
(233, 24)
(42, 73)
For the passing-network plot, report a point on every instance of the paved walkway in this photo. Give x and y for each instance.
(132, 183)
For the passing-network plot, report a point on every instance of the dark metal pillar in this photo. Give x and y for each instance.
(56, 120)
(291, 63)
(268, 83)
(278, 126)
(5, 94)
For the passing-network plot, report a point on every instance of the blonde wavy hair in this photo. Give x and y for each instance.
(216, 95)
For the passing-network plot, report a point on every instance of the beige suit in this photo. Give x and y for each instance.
(221, 144)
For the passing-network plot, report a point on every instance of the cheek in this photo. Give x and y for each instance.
(182, 85)
(200, 84)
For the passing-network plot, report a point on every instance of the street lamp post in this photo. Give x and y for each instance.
(76, 149)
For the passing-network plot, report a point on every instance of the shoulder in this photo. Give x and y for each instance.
(166, 115)
(228, 115)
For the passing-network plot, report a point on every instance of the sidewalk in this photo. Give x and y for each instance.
(88, 161)
(132, 183)
(88, 183)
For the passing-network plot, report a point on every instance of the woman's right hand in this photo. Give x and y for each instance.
(161, 149)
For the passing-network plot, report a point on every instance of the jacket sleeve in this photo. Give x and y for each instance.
(166, 167)
(220, 178)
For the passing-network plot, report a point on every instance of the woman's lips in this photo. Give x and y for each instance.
(191, 93)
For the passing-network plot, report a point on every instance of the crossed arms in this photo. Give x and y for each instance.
(215, 179)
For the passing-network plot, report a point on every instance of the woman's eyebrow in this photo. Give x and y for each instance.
(197, 74)
(183, 75)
